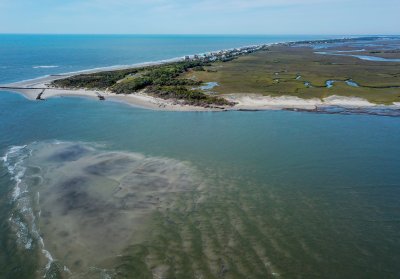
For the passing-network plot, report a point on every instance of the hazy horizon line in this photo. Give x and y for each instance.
(199, 34)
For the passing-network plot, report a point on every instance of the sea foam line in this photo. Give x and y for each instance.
(45, 67)
(13, 160)
(15, 168)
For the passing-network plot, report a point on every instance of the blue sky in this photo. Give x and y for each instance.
(201, 16)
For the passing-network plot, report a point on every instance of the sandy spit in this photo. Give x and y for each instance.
(243, 101)
(139, 99)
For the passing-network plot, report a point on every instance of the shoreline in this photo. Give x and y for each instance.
(245, 102)
(39, 89)
(170, 60)
(137, 65)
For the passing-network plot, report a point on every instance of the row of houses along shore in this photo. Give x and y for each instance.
(224, 55)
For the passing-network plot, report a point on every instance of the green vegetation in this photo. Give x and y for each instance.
(101, 80)
(276, 73)
(193, 97)
(161, 81)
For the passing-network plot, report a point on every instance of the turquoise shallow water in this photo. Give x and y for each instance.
(320, 192)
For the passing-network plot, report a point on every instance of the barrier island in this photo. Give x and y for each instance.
(353, 73)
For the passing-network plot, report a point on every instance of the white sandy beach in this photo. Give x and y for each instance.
(32, 88)
(260, 102)
(140, 99)
(243, 101)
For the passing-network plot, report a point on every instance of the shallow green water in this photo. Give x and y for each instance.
(281, 194)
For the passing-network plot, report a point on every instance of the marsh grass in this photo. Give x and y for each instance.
(274, 73)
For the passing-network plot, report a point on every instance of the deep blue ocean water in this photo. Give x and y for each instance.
(333, 179)
(29, 56)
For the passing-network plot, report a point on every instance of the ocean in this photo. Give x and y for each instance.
(93, 189)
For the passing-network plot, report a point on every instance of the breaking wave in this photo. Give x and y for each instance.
(45, 67)
(23, 221)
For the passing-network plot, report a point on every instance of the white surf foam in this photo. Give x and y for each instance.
(13, 160)
(25, 227)
(45, 67)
